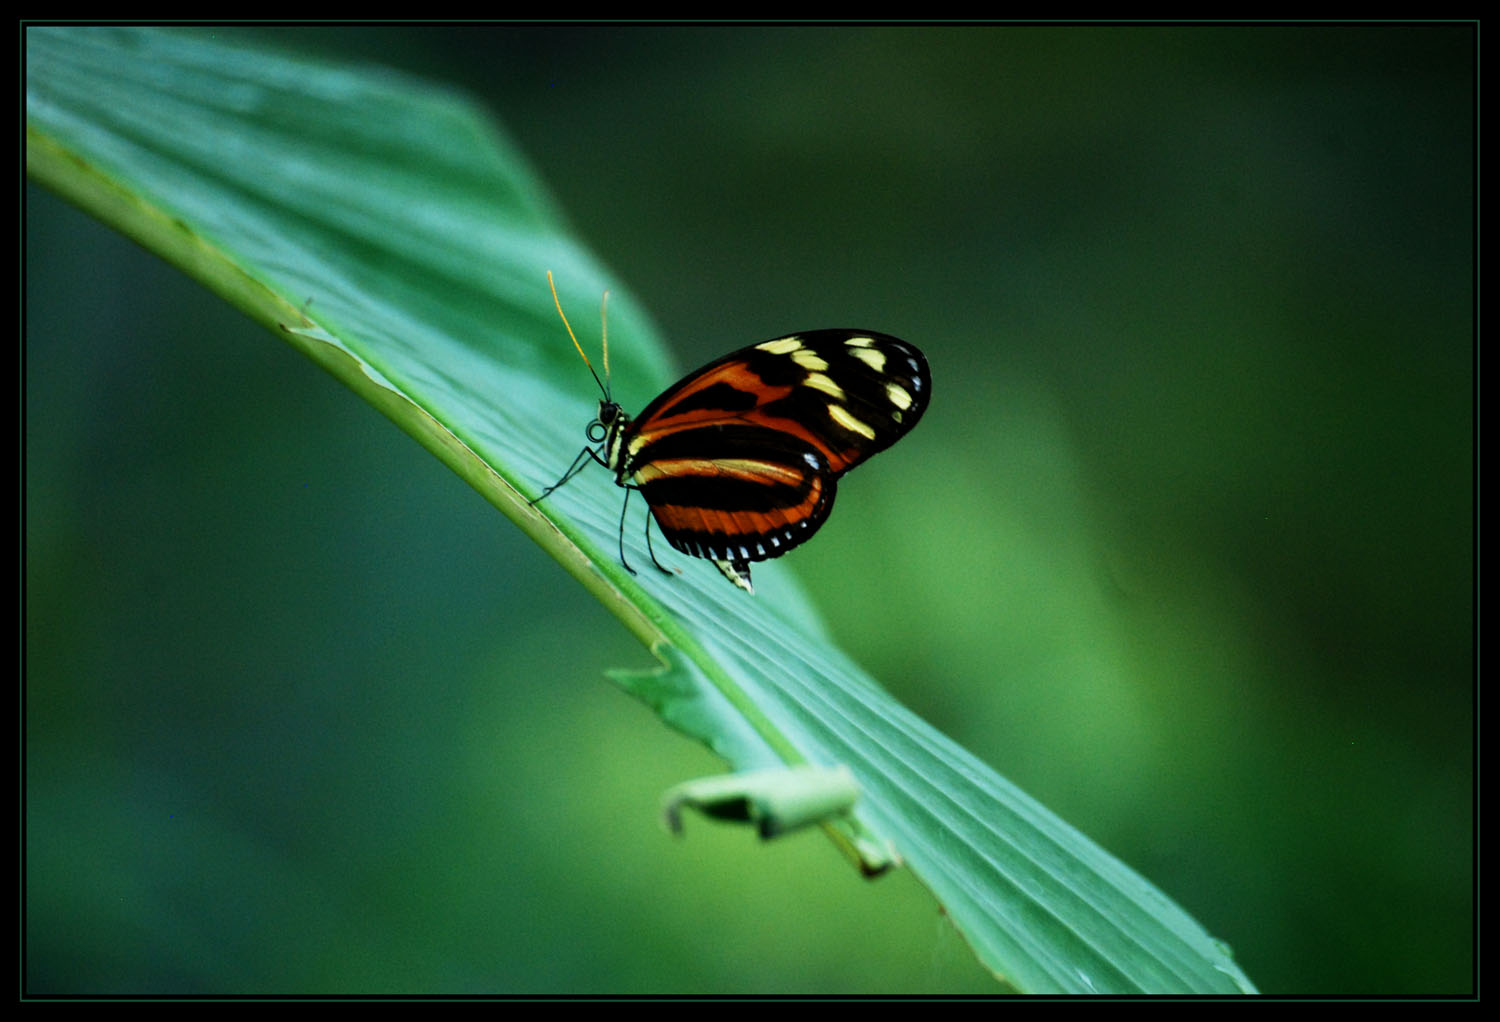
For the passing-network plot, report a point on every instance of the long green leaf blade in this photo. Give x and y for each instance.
(389, 230)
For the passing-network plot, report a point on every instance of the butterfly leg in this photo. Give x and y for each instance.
(573, 470)
(623, 561)
(623, 508)
(654, 561)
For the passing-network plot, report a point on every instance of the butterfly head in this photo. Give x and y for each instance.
(609, 414)
(609, 429)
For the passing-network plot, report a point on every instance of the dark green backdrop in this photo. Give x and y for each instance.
(1184, 545)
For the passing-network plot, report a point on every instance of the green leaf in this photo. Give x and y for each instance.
(389, 230)
(777, 801)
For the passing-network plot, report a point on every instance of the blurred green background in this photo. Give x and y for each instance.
(1184, 546)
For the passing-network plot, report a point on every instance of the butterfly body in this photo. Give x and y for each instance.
(740, 460)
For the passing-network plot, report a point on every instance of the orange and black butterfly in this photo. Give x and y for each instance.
(740, 460)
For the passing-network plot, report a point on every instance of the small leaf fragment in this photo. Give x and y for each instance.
(777, 801)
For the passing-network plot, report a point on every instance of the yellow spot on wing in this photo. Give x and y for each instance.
(869, 356)
(817, 381)
(898, 396)
(840, 414)
(782, 345)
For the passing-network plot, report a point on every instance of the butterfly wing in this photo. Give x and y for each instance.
(739, 461)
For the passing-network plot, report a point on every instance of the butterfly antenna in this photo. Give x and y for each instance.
(558, 302)
(604, 329)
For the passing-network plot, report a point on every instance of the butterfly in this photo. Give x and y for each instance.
(739, 461)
